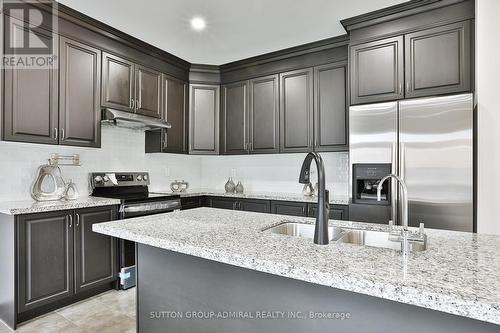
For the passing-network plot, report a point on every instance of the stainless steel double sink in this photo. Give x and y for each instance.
(344, 235)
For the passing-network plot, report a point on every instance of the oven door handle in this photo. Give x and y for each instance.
(137, 208)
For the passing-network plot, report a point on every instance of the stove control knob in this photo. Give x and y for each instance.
(98, 179)
(145, 177)
(139, 177)
(106, 179)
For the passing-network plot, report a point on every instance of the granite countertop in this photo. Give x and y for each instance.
(459, 273)
(32, 206)
(280, 196)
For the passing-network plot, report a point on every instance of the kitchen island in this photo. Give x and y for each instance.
(215, 270)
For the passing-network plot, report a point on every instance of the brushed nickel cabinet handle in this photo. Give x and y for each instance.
(62, 134)
(138, 104)
(400, 88)
(132, 103)
(56, 134)
(407, 87)
(77, 220)
(70, 221)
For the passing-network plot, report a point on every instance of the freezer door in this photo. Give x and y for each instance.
(373, 140)
(436, 160)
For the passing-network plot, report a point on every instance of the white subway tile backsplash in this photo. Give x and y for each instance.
(123, 150)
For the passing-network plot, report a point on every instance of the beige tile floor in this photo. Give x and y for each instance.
(110, 312)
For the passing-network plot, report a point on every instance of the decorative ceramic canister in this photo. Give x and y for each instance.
(239, 187)
(183, 185)
(175, 186)
(316, 190)
(71, 191)
(308, 190)
(230, 187)
(48, 184)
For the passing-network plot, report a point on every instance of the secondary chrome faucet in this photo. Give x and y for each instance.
(321, 228)
(404, 199)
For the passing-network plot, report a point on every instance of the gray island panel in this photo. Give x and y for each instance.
(182, 293)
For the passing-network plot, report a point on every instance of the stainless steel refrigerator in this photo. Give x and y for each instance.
(429, 143)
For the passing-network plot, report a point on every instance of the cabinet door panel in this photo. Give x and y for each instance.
(264, 114)
(95, 254)
(438, 60)
(175, 109)
(289, 208)
(296, 110)
(148, 91)
(337, 212)
(330, 107)
(223, 203)
(204, 119)
(254, 205)
(45, 258)
(117, 83)
(79, 97)
(30, 97)
(234, 127)
(377, 71)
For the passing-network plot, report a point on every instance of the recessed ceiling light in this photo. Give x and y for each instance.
(198, 23)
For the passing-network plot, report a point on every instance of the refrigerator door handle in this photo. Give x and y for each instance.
(394, 187)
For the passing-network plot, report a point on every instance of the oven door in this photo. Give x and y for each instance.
(126, 248)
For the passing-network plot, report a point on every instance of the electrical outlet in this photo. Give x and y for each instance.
(233, 173)
(167, 172)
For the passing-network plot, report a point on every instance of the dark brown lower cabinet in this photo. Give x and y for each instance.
(45, 258)
(59, 257)
(292, 208)
(337, 212)
(95, 254)
(248, 205)
(221, 202)
(289, 208)
(192, 202)
(255, 205)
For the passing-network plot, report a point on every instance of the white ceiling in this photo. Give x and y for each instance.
(236, 29)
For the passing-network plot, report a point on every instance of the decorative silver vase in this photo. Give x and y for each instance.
(239, 187)
(308, 190)
(230, 187)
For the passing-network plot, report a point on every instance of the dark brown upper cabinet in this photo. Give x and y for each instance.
(175, 111)
(130, 87)
(438, 60)
(95, 254)
(296, 111)
(264, 117)
(204, 119)
(79, 94)
(330, 107)
(30, 98)
(234, 118)
(147, 91)
(377, 71)
(118, 86)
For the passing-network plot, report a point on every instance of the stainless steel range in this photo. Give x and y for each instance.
(131, 188)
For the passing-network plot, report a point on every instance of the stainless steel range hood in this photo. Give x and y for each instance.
(132, 120)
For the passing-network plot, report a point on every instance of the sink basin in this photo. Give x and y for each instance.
(377, 239)
(304, 230)
(345, 235)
